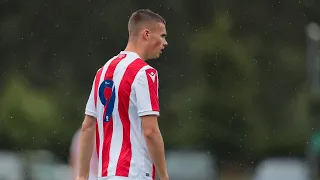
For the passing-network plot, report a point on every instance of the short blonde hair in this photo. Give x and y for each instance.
(141, 17)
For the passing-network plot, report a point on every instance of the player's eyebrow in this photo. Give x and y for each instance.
(164, 35)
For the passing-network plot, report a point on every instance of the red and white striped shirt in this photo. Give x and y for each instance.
(124, 89)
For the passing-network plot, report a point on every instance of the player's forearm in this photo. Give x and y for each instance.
(155, 146)
(86, 148)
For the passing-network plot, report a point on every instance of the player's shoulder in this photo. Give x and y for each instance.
(146, 70)
(147, 67)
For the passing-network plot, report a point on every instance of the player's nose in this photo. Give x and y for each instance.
(165, 44)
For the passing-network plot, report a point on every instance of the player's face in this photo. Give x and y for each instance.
(157, 41)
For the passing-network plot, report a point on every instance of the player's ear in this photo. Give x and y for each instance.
(146, 34)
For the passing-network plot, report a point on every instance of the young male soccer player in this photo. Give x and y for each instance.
(123, 107)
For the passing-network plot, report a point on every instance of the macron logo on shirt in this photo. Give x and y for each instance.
(152, 76)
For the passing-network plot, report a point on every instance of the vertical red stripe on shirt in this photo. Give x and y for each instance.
(124, 92)
(108, 126)
(95, 91)
(153, 88)
(153, 172)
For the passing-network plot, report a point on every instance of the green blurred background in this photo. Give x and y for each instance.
(239, 79)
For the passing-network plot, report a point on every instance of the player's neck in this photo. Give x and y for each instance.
(133, 48)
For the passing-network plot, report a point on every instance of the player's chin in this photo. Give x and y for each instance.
(156, 56)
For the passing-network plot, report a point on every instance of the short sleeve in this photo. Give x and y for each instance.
(146, 90)
(90, 107)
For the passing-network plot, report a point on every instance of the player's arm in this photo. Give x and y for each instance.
(146, 89)
(155, 144)
(87, 138)
(86, 146)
